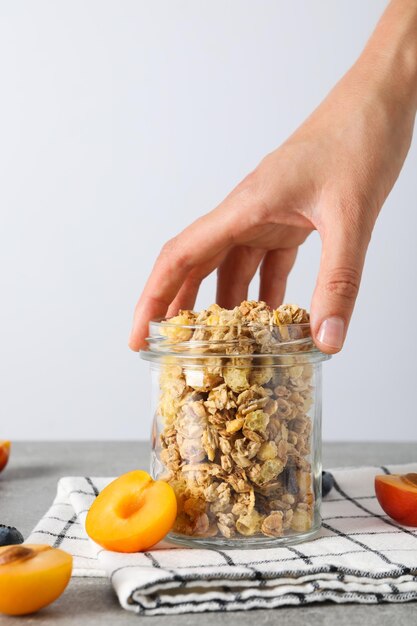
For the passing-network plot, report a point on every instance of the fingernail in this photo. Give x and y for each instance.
(332, 332)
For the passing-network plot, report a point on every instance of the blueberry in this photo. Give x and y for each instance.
(9, 535)
(327, 482)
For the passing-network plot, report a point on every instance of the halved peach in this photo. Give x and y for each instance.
(397, 495)
(31, 577)
(4, 453)
(132, 513)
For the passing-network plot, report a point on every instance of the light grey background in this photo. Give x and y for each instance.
(122, 121)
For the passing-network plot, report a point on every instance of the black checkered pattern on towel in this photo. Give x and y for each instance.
(361, 555)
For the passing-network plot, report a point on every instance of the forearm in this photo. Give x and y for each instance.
(389, 60)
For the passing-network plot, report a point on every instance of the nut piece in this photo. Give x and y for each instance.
(272, 526)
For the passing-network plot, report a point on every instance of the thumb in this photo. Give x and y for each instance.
(342, 259)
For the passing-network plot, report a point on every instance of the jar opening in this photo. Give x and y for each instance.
(244, 341)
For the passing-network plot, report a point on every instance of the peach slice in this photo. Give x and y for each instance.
(31, 577)
(132, 513)
(397, 495)
(4, 454)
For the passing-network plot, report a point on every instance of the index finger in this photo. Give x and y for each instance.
(197, 244)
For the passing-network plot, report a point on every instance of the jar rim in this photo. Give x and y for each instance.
(286, 341)
(165, 323)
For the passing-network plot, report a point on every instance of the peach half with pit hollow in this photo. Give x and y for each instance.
(132, 513)
(397, 495)
(31, 577)
(4, 453)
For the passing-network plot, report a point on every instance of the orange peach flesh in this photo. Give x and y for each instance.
(31, 577)
(132, 513)
(397, 495)
(4, 453)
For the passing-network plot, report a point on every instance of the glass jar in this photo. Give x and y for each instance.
(237, 431)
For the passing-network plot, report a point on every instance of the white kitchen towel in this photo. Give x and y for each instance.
(361, 555)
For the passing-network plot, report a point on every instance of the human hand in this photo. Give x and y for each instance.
(332, 175)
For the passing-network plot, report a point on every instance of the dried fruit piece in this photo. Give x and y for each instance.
(301, 520)
(397, 495)
(303, 482)
(236, 378)
(234, 425)
(185, 318)
(132, 513)
(9, 535)
(257, 420)
(268, 450)
(262, 473)
(31, 577)
(249, 524)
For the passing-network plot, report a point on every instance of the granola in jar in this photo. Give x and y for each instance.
(237, 427)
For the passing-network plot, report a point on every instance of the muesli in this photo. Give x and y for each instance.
(236, 429)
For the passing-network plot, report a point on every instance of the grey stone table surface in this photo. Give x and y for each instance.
(28, 485)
